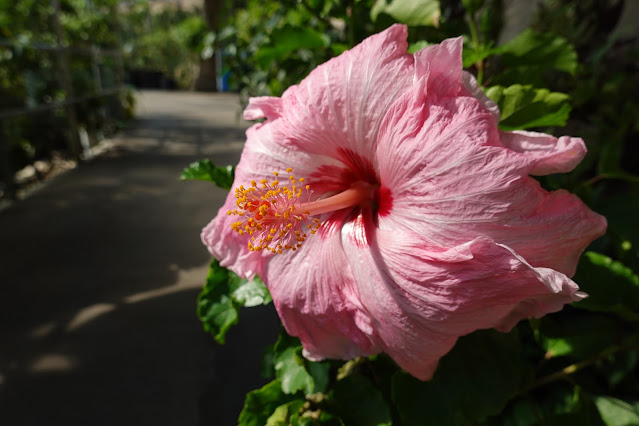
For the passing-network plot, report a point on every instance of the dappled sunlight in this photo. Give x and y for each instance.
(43, 330)
(52, 363)
(187, 279)
(88, 314)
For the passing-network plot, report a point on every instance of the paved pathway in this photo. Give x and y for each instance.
(99, 272)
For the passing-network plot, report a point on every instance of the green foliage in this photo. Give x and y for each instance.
(559, 404)
(289, 366)
(612, 287)
(409, 12)
(249, 293)
(168, 41)
(30, 75)
(282, 414)
(260, 404)
(475, 380)
(472, 6)
(206, 170)
(288, 39)
(578, 334)
(523, 107)
(531, 56)
(414, 47)
(475, 54)
(222, 296)
(267, 47)
(621, 212)
(358, 402)
(616, 412)
(215, 307)
(546, 51)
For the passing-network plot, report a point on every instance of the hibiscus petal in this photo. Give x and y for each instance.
(551, 155)
(422, 299)
(420, 137)
(316, 297)
(263, 107)
(473, 88)
(451, 179)
(339, 106)
(228, 247)
(442, 64)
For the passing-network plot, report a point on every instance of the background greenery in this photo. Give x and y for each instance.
(566, 74)
(157, 46)
(32, 77)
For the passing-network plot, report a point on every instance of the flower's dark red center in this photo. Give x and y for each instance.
(356, 170)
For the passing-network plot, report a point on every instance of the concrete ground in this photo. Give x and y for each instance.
(99, 273)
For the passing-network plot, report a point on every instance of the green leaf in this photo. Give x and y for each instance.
(475, 380)
(249, 293)
(320, 373)
(289, 366)
(417, 46)
(540, 50)
(358, 403)
(338, 48)
(579, 334)
(223, 294)
(287, 40)
(523, 107)
(473, 55)
(409, 12)
(615, 412)
(261, 403)
(558, 404)
(281, 415)
(205, 170)
(215, 308)
(611, 286)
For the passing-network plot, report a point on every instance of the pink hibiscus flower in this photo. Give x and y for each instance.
(427, 224)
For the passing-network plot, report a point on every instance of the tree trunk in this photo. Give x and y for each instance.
(207, 78)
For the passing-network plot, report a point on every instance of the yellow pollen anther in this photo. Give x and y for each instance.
(289, 170)
(273, 217)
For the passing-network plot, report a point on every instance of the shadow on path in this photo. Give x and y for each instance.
(100, 271)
